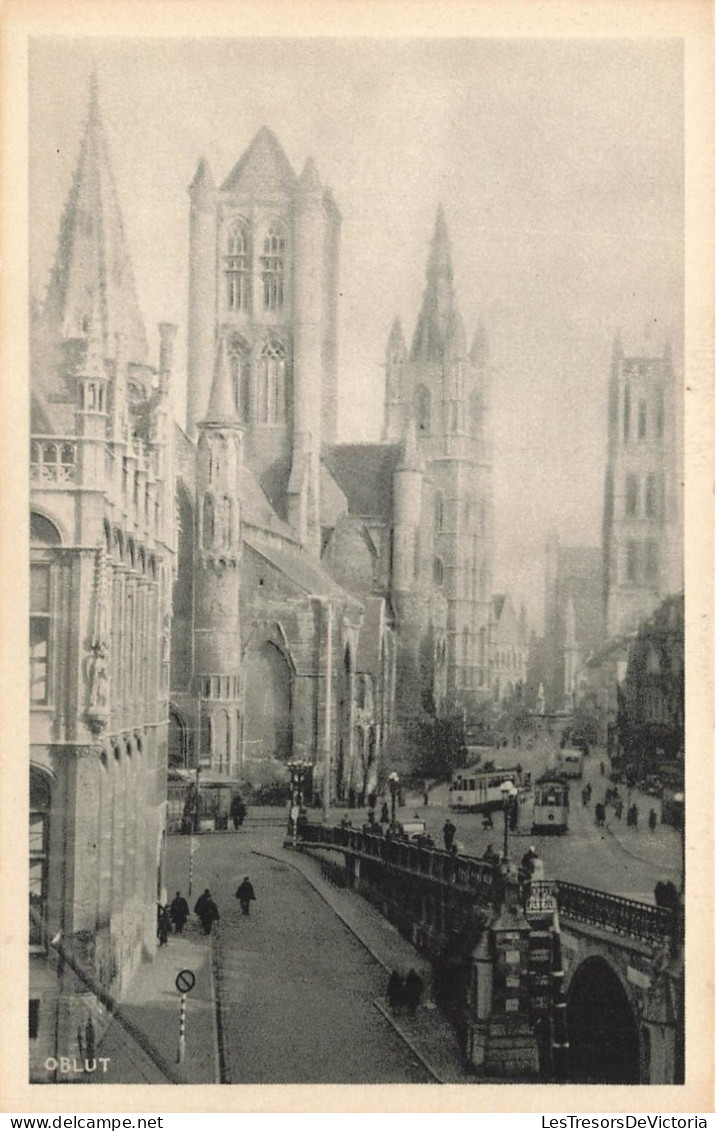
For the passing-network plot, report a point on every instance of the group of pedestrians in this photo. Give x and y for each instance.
(172, 918)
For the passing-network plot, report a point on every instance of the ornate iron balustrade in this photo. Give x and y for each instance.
(615, 913)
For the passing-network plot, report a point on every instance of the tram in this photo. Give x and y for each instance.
(570, 763)
(550, 804)
(477, 790)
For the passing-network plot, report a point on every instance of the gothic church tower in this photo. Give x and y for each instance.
(641, 542)
(445, 389)
(263, 271)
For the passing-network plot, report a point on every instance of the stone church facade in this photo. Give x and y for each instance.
(326, 592)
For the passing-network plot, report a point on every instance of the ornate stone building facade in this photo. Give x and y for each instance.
(322, 592)
(102, 535)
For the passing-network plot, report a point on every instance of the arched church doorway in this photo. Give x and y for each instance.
(177, 744)
(603, 1035)
(267, 715)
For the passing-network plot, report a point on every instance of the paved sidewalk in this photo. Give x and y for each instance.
(429, 1034)
(145, 1051)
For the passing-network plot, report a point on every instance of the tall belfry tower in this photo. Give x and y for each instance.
(217, 557)
(641, 521)
(263, 278)
(445, 388)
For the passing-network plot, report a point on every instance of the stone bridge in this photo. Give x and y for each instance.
(548, 979)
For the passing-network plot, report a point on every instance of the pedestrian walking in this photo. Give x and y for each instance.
(413, 990)
(164, 924)
(245, 895)
(602, 769)
(395, 991)
(449, 832)
(384, 818)
(491, 856)
(237, 811)
(599, 815)
(652, 820)
(178, 912)
(206, 910)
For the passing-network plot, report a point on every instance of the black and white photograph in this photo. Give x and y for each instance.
(356, 379)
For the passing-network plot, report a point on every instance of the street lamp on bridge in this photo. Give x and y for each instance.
(298, 773)
(509, 793)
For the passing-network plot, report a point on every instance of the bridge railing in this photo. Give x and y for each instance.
(445, 867)
(613, 913)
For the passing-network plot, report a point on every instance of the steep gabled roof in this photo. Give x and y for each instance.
(299, 568)
(262, 168)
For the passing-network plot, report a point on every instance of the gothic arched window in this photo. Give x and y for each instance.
(650, 497)
(238, 266)
(422, 408)
(438, 514)
(272, 268)
(642, 420)
(631, 496)
(240, 369)
(208, 516)
(626, 414)
(271, 385)
(437, 571)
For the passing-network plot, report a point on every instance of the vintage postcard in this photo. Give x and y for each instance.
(358, 401)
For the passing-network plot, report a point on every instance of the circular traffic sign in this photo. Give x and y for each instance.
(185, 981)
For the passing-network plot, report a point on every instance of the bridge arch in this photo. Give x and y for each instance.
(602, 1027)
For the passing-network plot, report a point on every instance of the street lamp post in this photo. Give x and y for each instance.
(509, 793)
(298, 772)
(393, 786)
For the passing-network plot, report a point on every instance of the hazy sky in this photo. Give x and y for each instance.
(560, 167)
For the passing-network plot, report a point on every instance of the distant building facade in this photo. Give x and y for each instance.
(510, 645)
(597, 597)
(102, 534)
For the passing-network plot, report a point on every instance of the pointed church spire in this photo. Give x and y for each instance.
(479, 349)
(92, 273)
(263, 167)
(222, 408)
(309, 181)
(438, 307)
(396, 340)
(202, 181)
(440, 260)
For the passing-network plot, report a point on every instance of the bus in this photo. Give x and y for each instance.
(550, 804)
(570, 763)
(477, 790)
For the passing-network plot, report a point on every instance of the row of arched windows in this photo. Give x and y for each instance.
(652, 497)
(217, 522)
(238, 267)
(265, 401)
(642, 417)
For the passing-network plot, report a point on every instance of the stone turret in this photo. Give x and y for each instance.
(217, 647)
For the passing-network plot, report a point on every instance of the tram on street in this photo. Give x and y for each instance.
(476, 790)
(550, 804)
(570, 763)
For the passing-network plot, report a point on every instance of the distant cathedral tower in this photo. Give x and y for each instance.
(444, 389)
(263, 277)
(641, 540)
